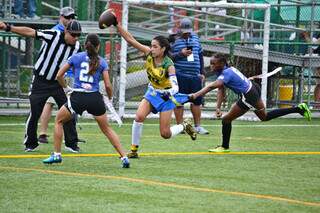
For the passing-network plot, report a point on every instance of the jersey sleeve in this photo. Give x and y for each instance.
(167, 63)
(46, 35)
(104, 65)
(72, 60)
(224, 77)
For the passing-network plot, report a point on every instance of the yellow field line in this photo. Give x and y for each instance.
(166, 154)
(172, 185)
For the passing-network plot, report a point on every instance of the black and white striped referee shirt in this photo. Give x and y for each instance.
(53, 54)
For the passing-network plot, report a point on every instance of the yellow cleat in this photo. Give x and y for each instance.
(133, 154)
(188, 128)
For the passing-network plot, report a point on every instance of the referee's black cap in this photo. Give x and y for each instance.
(74, 27)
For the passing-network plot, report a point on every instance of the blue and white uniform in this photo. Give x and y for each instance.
(86, 95)
(248, 91)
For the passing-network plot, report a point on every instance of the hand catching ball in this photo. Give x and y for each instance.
(107, 18)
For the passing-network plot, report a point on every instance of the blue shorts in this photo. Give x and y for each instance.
(190, 84)
(160, 105)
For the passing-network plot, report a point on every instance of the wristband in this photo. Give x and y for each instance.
(8, 27)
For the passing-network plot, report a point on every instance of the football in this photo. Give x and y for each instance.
(107, 18)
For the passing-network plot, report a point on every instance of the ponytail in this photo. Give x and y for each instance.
(91, 44)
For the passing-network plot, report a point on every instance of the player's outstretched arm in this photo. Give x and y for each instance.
(131, 40)
(23, 31)
(208, 88)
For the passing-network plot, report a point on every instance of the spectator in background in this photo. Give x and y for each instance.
(67, 14)
(31, 12)
(188, 61)
(316, 50)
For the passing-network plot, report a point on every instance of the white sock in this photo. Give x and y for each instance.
(136, 133)
(57, 153)
(176, 129)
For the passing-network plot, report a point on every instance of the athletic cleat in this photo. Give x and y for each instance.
(31, 149)
(219, 149)
(189, 129)
(202, 131)
(133, 154)
(43, 139)
(305, 111)
(53, 159)
(74, 149)
(125, 162)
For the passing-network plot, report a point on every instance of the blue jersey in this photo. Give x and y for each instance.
(82, 80)
(181, 64)
(58, 27)
(235, 80)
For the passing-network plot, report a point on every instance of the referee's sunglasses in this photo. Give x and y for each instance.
(72, 16)
(75, 35)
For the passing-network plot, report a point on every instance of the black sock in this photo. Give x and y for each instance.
(281, 112)
(226, 132)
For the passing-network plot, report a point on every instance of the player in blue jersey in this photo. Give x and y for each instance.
(250, 97)
(88, 67)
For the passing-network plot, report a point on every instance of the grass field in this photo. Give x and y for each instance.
(273, 167)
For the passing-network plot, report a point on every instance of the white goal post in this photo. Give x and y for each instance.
(123, 52)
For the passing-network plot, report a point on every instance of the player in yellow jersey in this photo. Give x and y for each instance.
(162, 95)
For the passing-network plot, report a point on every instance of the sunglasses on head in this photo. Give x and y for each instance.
(69, 17)
(75, 34)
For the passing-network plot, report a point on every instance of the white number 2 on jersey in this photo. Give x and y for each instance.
(84, 77)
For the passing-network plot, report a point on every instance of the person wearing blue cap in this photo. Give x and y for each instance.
(188, 62)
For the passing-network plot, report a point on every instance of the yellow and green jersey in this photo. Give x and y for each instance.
(159, 76)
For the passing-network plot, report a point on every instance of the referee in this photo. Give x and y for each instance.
(57, 47)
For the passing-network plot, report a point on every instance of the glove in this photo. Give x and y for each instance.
(191, 98)
(165, 96)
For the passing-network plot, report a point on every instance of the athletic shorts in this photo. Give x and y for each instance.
(251, 98)
(160, 105)
(92, 102)
(190, 84)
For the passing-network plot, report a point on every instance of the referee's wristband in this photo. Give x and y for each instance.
(8, 27)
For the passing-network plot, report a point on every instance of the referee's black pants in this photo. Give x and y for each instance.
(41, 90)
